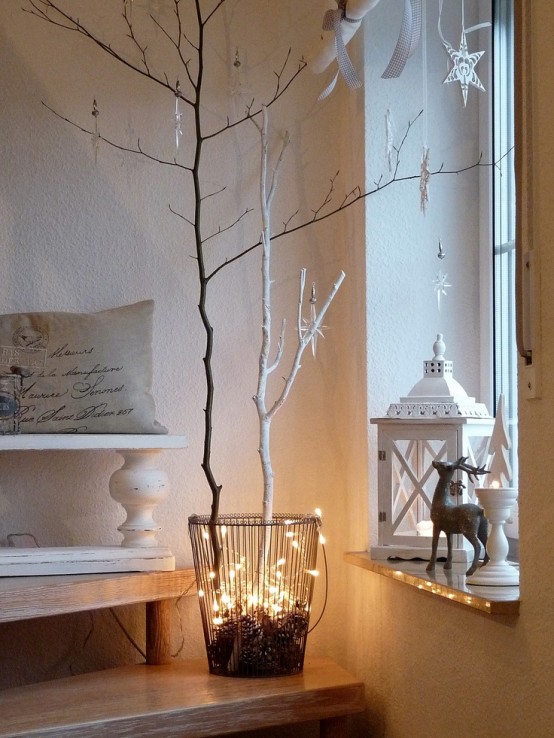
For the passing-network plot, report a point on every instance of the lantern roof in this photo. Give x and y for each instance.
(438, 394)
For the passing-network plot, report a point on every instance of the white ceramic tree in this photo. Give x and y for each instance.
(500, 469)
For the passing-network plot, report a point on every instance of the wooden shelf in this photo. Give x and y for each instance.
(180, 700)
(22, 598)
(450, 585)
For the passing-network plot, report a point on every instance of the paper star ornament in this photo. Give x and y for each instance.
(463, 66)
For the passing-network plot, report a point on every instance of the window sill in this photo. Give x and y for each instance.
(450, 585)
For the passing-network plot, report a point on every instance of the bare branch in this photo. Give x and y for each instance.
(280, 348)
(252, 113)
(213, 194)
(180, 215)
(177, 44)
(354, 197)
(328, 197)
(71, 23)
(213, 11)
(120, 147)
(305, 341)
(288, 220)
(221, 230)
(131, 35)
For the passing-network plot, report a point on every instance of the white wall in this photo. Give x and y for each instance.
(81, 236)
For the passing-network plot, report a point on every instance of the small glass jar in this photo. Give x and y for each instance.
(10, 393)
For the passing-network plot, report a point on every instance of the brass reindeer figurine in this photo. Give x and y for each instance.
(448, 517)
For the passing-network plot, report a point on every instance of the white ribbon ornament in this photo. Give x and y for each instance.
(345, 21)
(408, 40)
(331, 22)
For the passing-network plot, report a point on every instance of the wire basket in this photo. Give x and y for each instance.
(255, 584)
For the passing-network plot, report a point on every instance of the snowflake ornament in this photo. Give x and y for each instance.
(308, 324)
(440, 286)
(463, 69)
(424, 177)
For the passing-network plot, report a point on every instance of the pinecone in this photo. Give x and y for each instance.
(221, 648)
(293, 627)
(249, 656)
(250, 628)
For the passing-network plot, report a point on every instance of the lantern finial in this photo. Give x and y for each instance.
(439, 347)
(438, 394)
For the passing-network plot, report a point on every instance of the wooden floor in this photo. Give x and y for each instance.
(179, 700)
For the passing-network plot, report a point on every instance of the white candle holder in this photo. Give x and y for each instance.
(497, 503)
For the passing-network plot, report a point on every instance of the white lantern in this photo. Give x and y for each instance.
(436, 421)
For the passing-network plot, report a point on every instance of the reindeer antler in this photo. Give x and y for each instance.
(471, 471)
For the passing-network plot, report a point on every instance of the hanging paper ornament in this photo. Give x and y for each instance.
(463, 63)
(424, 177)
(96, 135)
(178, 116)
(440, 286)
(441, 255)
(463, 67)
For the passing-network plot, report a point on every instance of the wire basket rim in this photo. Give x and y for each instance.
(255, 519)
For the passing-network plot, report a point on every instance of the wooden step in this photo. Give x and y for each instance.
(180, 700)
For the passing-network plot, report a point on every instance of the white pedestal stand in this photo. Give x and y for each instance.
(497, 503)
(139, 486)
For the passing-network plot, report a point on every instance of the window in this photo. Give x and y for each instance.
(505, 352)
(471, 216)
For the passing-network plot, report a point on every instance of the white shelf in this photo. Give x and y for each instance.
(20, 562)
(90, 442)
(139, 486)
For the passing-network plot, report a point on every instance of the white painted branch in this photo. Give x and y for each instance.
(305, 334)
(280, 348)
(300, 303)
(264, 369)
(302, 344)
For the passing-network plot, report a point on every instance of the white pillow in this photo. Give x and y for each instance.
(89, 373)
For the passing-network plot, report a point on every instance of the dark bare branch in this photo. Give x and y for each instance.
(131, 34)
(347, 204)
(221, 230)
(213, 11)
(253, 113)
(180, 215)
(119, 147)
(72, 23)
(328, 197)
(288, 220)
(177, 44)
(213, 194)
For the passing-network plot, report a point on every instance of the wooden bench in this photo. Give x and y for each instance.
(179, 700)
